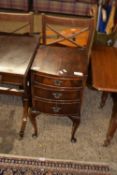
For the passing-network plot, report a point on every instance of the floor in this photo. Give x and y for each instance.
(53, 140)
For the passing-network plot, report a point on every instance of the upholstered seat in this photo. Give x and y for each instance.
(15, 5)
(74, 7)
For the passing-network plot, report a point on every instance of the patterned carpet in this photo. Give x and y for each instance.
(54, 133)
(12, 165)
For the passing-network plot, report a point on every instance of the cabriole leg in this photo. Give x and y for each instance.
(112, 124)
(32, 117)
(103, 99)
(24, 117)
(75, 125)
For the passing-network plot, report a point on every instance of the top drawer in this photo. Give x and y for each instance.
(56, 81)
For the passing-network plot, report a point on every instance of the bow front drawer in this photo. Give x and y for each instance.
(56, 93)
(56, 81)
(55, 107)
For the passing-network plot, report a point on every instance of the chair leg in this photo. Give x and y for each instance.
(24, 117)
(103, 99)
(112, 125)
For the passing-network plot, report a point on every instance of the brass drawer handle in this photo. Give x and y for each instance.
(57, 95)
(0, 78)
(56, 109)
(57, 82)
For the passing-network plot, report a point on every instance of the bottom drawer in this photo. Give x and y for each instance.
(55, 107)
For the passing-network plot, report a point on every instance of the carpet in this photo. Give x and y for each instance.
(53, 140)
(17, 165)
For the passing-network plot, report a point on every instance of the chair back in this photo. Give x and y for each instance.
(20, 20)
(68, 31)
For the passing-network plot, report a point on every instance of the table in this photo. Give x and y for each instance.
(58, 76)
(104, 73)
(16, 56)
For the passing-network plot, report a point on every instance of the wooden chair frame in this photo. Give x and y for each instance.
(20, 17)
(86, 24)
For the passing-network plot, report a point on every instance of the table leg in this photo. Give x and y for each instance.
(103, 99)
(113, 123)
(24, 117)
(75, 125)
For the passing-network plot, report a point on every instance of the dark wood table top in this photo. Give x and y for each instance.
(104, 68)
(16, 53)
(61, 61)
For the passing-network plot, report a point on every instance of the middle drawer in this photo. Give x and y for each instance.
(56, 93)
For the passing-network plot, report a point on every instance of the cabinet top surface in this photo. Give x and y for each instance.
(60, 61)
(16, 53)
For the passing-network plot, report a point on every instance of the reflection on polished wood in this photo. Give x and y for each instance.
(15, 53)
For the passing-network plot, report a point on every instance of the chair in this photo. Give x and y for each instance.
(65, 52)
(25, 19)
(71, 32)
(16, 57)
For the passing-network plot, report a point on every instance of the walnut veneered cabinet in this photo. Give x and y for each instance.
(58, 77)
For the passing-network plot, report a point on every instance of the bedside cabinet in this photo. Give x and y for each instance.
(58, 77)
